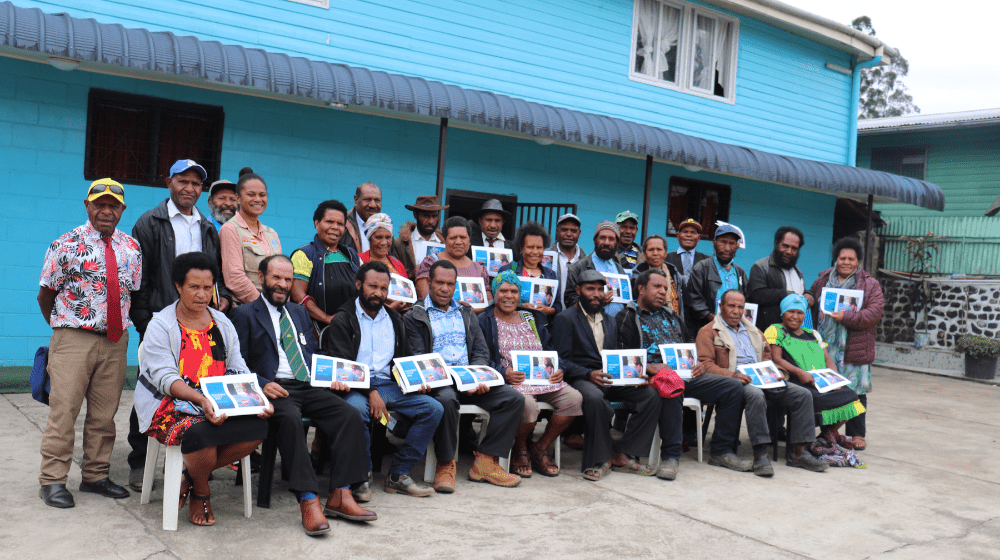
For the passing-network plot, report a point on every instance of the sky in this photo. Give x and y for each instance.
(951, 47)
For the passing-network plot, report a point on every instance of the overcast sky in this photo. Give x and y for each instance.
(951, 47)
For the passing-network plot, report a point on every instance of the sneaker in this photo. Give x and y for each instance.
(488, 469)
(762, 466)
(667, 470)
(730, 461)
(406, 485)
(807, 462)
(444, 477)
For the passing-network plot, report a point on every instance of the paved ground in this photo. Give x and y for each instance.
(931, 490)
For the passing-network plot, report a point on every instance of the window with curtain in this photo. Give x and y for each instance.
(684, 47)
(703, 201)
(134, 139)
(908, 162)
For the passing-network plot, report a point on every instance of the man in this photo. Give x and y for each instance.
(222, 202)
(647, 324)
(629, 254)
(438, 324)
(414, 236)
(173, 228)
(367, 331)
(487, 225)
(775, 276)
(325, 269)
(602, 260)
(730, 341)
(567, 250)
(688, 236)
(367, 201)
(277, 343)
(579, 335)
(711, 277)
(84, 294)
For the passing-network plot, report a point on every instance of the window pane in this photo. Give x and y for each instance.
(723, 58)
(703, 75)
(183, 136)
(670, 33)
(645, 37)
(118, 141)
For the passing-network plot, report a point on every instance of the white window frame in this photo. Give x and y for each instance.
(325, 4)
(685, 51)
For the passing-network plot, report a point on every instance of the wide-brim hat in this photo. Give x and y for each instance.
(491, 205)
(426, 204)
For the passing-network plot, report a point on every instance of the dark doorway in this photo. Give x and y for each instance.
(465, 203)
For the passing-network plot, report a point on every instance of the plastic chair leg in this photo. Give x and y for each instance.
(172, 467)
(149, 472)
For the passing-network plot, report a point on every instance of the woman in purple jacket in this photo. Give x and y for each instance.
(851, 334)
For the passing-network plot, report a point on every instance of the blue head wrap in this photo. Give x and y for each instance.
(505, 277)
(794, 301)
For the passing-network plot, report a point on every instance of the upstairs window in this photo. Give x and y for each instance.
(681, 46)
(908, 162)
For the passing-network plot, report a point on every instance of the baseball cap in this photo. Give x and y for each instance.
(108, 187)
(628, 214)
(724, 228)
(221, 184)
(182, 165)
(569, 216)
(689, 222)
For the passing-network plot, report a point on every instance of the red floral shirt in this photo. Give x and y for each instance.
(74, 267)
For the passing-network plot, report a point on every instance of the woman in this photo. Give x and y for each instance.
(850, 335)
(530, 242)
(378, 230)
(184, 343)
(507, 327)
(796, 350)
(245, 241)
(456, 251)
(654, 250)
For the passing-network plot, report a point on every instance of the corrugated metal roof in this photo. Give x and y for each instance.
(960, 119)
(93, 43)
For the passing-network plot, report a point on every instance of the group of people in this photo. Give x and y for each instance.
(215, 295)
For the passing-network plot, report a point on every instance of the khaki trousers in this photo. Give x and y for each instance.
(82, 364)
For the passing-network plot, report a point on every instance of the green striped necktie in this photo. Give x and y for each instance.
(291, 348)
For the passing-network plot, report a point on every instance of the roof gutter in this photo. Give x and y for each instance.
(852, 140)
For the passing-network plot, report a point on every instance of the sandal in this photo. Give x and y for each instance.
(633, 466)
(185, 493)
(542, 463)
(859, 443)
(206, 508)
(597, 472)
(844, 441)
(521, 464)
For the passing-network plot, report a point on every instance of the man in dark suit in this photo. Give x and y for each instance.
(277, 343)
(688, 236)
(487, 224)
(579, 335)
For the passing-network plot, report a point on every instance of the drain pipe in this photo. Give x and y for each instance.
(852, 145)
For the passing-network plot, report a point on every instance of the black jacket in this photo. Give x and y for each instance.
(259, 343)
(573, 339)
(342, 339)
(702, 287)
(156, 238)
(421, 335)
(476, 233)
(488, 323)
(766, 287)
(674, 275)
(630, 335)
(678, 262)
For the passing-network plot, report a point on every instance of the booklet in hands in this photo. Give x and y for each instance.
(234, 395)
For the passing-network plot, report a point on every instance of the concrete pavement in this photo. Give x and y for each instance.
(931, 490)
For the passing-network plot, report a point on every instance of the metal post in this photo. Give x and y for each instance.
(868, 232)
(442, 146)
(646, 193)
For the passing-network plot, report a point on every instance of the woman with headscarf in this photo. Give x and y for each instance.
(509, 327)
(797, 350)
(378, 230)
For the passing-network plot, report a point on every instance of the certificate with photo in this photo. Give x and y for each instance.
(539, 291)
(828, 380)
(401, 288)
(537, 367)
(549, 258)
(471, 290)
(750, 312)
(620, 285)
(680, 358)
(836, 299)
(492, 258)
(626, 367)
(430, 248)
(764, 375)
(425, 369)
(234, 395)
(468, 378)
(326, 370)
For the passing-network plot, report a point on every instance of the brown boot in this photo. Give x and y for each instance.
(444, 477)
(487, 469)
(312, 518)
(341, 504)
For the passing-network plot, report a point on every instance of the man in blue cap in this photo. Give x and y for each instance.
(710, 278)
(173, 228)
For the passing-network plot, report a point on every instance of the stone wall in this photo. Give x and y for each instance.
(956, 307)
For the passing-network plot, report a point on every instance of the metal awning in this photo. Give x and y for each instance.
(31, 33)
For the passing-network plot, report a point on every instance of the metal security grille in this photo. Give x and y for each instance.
(543, 213)
(134, 139)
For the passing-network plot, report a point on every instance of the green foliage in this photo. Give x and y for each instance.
(978, 346)
(883, 93)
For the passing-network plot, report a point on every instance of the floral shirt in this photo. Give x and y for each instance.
(74, 268)
(659, 327)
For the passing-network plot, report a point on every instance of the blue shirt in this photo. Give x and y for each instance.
(730, 280)
(378, 341)
(216, 223)
(745, 352)
(448, 329)
(607, 267)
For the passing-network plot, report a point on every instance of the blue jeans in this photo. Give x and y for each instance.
(423, 410)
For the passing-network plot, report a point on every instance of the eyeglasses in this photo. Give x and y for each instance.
(98, 189)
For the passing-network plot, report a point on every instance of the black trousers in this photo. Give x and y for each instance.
(727, 395)
(856, 426)
(597, 414)
(136, 439)
(503, 403)
(335, 418)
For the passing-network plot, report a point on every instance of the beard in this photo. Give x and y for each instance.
(221, 215)
(426, 231)
(605, 253)
(269, 293)
(780, 259)
(372, 303)
(590, 307)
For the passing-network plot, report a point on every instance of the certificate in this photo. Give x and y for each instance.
(234, 395)
(680, 358)
(764, 375)
(471, 290)
(537, 367)
(425, 369)
(468, 378)
(619, 284)
(326, 370)
(836, 299)
(827, 380)
(750, 312)
(539, 291)
(492, 258)
(430, 248)
(626, 367)
(549, 257)
(401, 288)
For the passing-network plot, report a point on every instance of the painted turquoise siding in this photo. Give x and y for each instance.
(309, 154)
(965, 163)
(569, 53)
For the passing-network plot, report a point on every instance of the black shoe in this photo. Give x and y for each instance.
(730, 461)
(56, 495)
(105, 488)
(807, 462)
(762, 466)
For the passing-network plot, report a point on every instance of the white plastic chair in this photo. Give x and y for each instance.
(430, 462)
(654, 452)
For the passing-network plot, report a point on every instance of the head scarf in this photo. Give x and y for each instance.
(794, 301)
(376, 221)
(606, 224)
(505, 277)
